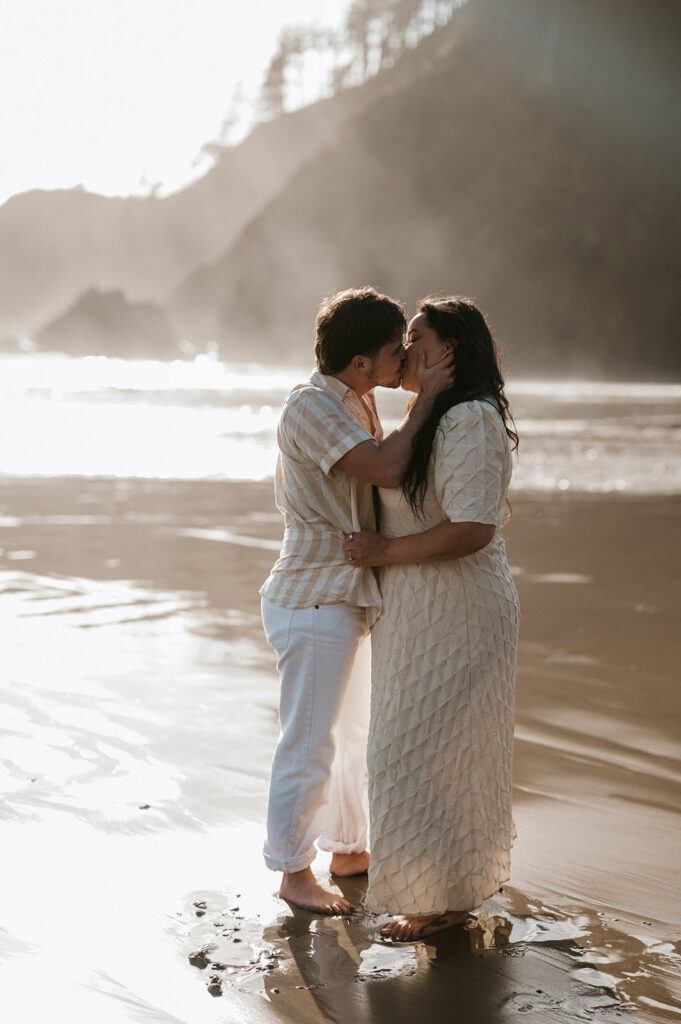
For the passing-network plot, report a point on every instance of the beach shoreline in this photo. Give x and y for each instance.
(141, 716)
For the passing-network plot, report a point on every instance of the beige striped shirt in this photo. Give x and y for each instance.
(322, 420)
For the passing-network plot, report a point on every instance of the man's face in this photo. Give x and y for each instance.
(385, 369)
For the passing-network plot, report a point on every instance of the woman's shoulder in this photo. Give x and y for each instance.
(469, 414)
(468, 426)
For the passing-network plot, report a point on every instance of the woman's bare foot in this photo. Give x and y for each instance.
(345, 864)
(303, 889)
(408, 927)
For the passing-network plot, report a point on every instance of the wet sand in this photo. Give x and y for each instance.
(138, 720)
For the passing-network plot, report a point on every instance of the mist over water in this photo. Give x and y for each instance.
(207, 420)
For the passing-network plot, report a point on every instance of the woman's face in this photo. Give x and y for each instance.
(421, 338)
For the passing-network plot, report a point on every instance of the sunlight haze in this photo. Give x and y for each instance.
(121, 96)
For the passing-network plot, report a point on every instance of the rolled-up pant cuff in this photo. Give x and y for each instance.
(290, 864)
(331, 846)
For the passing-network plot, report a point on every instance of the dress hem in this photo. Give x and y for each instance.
(383, 908)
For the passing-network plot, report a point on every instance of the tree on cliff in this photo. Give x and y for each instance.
(374, 34)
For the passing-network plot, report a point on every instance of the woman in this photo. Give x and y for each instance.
(444, 649)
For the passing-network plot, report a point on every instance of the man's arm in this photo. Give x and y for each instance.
(385, 464)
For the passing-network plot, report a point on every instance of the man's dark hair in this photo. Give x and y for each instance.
(356, 322)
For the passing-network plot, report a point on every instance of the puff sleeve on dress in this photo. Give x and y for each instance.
(469, 455)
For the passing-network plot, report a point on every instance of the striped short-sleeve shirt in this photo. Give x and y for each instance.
(321, 421)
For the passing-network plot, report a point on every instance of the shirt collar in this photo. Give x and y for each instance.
(364, 406)
(331, 383)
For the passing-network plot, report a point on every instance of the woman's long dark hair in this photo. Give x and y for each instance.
(477, 376)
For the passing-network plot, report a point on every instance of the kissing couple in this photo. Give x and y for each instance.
(395, 538)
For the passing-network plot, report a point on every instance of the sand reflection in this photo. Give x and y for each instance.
(348, 972)
(139, 718)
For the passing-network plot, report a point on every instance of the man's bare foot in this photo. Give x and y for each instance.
(303, 889)
(345, 864)
(408, 927)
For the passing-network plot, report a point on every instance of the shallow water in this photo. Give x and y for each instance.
(203, 419)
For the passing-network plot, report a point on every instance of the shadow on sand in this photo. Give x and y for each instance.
(307, 968)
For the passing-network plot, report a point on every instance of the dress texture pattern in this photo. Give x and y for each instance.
(443, 680)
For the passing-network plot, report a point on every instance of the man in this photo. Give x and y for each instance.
(317, 610)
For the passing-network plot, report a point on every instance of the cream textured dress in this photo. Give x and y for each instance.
(443, 677)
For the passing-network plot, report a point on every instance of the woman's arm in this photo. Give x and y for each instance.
(441, 543)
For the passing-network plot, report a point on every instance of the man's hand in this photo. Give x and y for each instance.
(366, 548)
(385, 464)
(436, 378)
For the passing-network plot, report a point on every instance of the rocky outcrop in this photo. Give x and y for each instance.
(106, 323)
(55, 245)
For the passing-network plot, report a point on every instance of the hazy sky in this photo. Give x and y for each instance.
(109, 92)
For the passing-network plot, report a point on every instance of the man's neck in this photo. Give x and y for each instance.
(357, 382)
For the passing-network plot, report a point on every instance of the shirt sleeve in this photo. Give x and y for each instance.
(315, 426)
(469, 454)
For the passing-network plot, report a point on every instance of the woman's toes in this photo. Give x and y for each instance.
(403, 929)
(390, 930)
